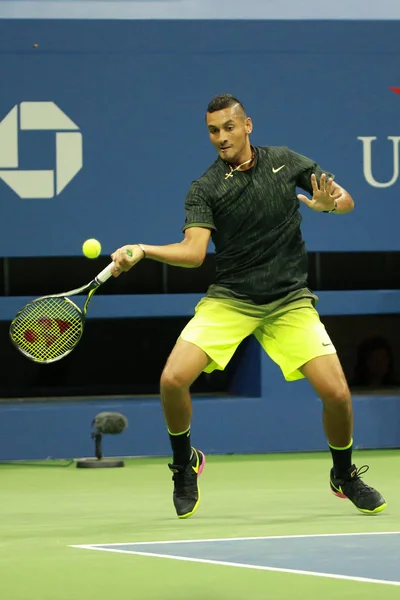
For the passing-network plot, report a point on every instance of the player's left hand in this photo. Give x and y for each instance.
(125, 258)
(324, 196)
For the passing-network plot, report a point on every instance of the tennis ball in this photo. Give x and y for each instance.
(91, 248)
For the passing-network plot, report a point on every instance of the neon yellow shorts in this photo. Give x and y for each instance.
(289, 330)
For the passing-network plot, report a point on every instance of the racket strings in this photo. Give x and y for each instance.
(48, 328)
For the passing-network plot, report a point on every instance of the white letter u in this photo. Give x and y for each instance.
(367, 160)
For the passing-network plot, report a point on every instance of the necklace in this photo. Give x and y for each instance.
(246, 162)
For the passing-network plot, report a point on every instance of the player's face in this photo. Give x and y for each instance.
(229, 131)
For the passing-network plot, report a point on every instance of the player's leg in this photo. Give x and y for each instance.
(326, 375)
(295, 338)
(207, 342)
(327, 378)
(183, 367)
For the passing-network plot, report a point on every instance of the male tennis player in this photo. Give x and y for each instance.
(247, 202)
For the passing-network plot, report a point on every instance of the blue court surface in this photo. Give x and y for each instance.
(369, 557)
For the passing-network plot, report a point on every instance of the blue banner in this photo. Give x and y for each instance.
(102, 124)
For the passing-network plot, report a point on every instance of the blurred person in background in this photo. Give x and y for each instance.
(374, 367)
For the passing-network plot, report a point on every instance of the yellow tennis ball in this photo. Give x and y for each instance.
(91, 248)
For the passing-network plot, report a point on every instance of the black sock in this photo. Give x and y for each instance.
(341, 459)
(181, 447)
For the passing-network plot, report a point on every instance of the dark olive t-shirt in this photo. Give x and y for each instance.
(255, 221)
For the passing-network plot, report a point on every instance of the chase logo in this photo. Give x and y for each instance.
(30, 116)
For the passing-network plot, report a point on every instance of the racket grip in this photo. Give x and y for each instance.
(105, 273)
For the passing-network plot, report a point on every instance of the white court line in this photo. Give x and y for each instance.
(244, 566)
(103, 548)
(239, 539)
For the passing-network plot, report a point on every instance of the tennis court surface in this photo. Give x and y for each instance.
(267, 527)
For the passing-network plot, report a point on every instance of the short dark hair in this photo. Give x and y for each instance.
(223, 101)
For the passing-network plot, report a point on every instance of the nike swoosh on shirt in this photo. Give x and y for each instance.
(278, 169)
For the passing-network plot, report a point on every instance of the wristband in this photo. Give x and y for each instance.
(332, 209)
(142, 249)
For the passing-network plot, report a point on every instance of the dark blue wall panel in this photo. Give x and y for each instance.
(138, 92)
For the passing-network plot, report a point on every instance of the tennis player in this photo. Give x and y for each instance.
(247, 202)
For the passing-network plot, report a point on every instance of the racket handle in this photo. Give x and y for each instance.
(105, 273)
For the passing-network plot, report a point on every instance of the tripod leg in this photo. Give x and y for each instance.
(98, 450)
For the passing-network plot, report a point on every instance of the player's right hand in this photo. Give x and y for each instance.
(125, 258)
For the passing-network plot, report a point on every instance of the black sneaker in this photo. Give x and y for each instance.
(186, 489)
(365, 498)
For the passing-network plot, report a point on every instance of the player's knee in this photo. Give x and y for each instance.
(337, 396)
(172, 381)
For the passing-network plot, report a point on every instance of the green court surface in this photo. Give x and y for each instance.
(46, 510)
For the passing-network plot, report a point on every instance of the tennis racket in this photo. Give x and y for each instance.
(49, 328)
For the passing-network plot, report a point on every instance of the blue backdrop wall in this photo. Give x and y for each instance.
(117, 161)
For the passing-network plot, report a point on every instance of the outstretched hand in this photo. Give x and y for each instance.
(324, 197)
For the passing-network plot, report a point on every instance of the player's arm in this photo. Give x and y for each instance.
(189, 253)
(199, 222)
